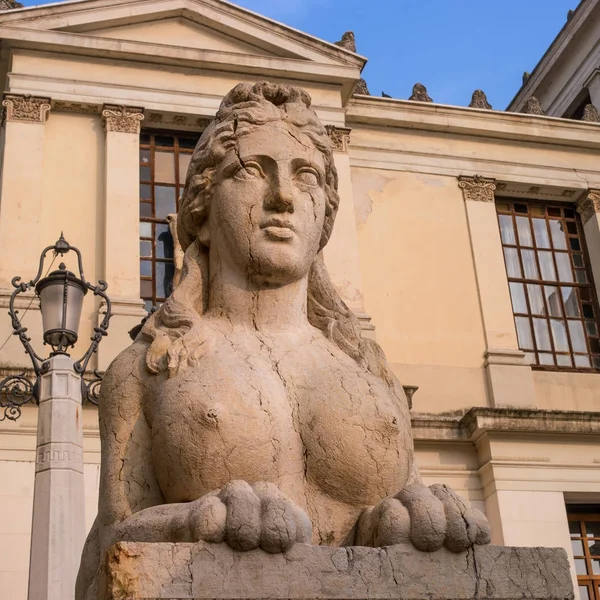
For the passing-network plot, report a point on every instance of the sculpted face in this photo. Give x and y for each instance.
(267, 206)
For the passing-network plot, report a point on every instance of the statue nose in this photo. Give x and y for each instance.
(280, 198)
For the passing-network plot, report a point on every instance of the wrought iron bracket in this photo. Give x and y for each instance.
(15, 391)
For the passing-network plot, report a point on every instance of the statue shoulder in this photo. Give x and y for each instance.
(127, 375)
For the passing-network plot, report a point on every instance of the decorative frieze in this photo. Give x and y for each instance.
(76, 107)
(589, 205)
(339, 136)
(122, 119)
(187, 121)
(478, 188)
(26, 109)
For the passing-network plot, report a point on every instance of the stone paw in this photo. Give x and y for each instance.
(426, 517)
(249, 516)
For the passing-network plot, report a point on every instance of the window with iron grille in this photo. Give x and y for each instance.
(551, 288)
(164, 159)
(584, 528)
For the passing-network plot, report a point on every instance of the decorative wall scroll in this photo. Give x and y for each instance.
(187, 121)
(339, 136)
(26, 109)
(478, 188)
(589, 205)
(122, 119)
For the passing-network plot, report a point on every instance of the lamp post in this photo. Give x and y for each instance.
(58, 526)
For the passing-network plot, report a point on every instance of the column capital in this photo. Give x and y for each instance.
(478, 188)
(23, 108)
(589, 205)
(122, 119)
(339, 136)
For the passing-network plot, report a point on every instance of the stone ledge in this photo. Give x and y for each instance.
(138, 571)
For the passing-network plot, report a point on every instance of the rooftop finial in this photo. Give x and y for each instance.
(9, 5)
(347, 42)
(479, 100)
(419, 93)
(533, 107)
(590, 114)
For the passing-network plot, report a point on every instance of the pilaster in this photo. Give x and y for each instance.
(58, 528)
(21, 188)
(588, 206)
(509, 377)
(122, 252)
(341, 253)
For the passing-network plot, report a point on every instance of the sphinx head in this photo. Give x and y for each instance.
(261, 189)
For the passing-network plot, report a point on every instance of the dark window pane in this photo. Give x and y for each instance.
(144, 173)
(569, 213)
(578, 260)
(145, 209)
(144, 138)
(145, 157)
(188, 142)
(580, 276)
(588, 311)
(553, 211)
(145, 248)
(575, 528)
(574, 243)
(591, 328)
(585, 295)
(594, 547)
(164, 140)
(596, 362)
(595, 345)
(164, 241)
(164, 278)
(513, 267)
(521, 208)
(165, 201)
(572, 228)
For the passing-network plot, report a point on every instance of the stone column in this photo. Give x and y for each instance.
(589, 208)
(509, 377)
(341, 253)
(121, 245)
(58, 529)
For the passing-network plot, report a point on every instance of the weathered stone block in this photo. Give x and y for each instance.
(137, 571)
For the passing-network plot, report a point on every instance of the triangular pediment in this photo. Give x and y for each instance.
(212, 25)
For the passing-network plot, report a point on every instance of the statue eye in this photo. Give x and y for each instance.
(308, 177)
(249, 171)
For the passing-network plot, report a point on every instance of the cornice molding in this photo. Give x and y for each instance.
(589, 205)
(339, 136)
(122, 119)
(22, 108)
(477, 188)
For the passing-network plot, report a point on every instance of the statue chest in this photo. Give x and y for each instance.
(301, 418)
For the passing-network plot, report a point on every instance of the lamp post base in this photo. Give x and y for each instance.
(58, 529)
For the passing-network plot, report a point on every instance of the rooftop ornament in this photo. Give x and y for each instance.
(533, 107)
(419, 93)
(590, 114)
(479, 100)
(61, 294)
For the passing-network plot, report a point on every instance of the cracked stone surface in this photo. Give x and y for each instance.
(250, 410)
(137, 571)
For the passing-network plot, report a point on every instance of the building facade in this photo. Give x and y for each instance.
(467, 242)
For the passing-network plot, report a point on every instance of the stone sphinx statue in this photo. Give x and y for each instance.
(249, 411)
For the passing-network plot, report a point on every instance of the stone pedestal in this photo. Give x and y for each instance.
(138, 571)
(58, 528)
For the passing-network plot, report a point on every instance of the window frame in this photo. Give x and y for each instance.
(591, 580)
(525, 281)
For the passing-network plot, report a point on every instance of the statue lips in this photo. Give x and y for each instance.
(278, 229)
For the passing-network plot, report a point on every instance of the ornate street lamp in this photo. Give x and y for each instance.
(61, 294)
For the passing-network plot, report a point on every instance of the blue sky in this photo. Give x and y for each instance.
(451, 46)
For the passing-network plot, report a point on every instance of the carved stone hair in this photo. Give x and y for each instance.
(176, 330)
